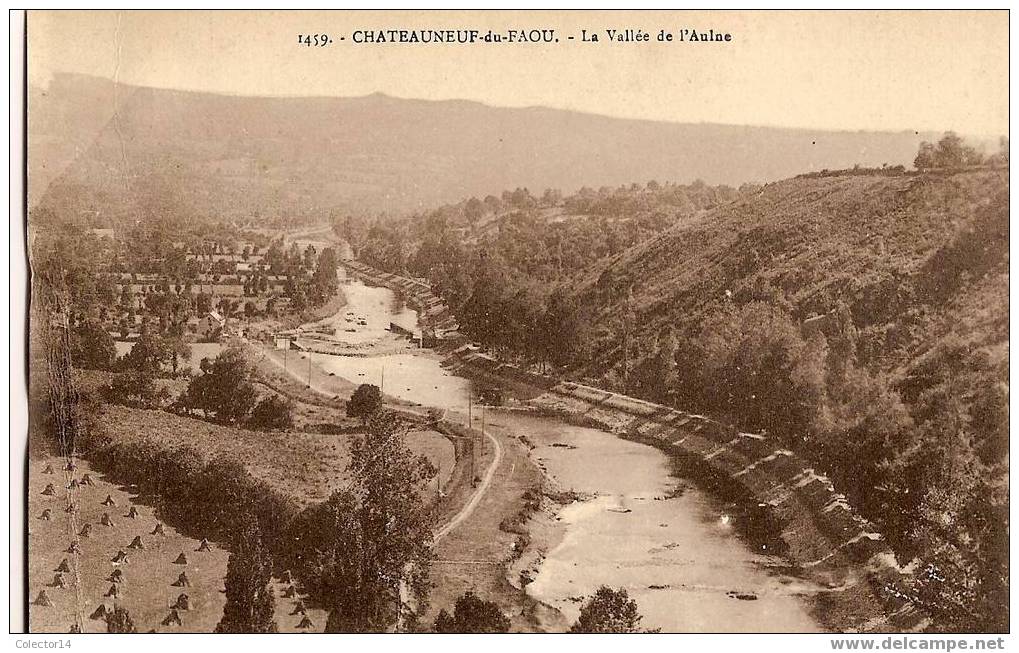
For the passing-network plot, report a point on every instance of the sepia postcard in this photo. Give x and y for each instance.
(515, 322)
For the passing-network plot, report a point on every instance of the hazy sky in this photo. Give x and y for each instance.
(841, 70)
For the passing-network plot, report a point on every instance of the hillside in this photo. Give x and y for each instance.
(117, 152)
(907, 254)
(860, 319)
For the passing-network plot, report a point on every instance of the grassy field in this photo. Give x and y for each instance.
(147, 590)
(305, 466)
(474, 556)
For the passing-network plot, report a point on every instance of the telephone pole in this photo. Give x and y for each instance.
(310, 354)
(471, 440)
(482, 438)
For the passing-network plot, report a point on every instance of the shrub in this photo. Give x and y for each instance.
(223, 389)
(608, 611)
(273, 414)
(92, 347)
(365, 401)
(137, 389)
(215, 499)
(472, 615)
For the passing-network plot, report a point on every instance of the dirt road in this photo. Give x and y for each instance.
(468, 509)
(476, 497)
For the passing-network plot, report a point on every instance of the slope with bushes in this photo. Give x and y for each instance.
(859, 317)
(862, 319)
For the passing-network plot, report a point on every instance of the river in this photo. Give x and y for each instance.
(670, 545)
(367, 315)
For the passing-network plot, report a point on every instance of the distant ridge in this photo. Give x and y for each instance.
(248, 158)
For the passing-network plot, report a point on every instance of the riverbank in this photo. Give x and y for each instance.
(266, 326)
(479, 553)
(776, 501)
(523, 544)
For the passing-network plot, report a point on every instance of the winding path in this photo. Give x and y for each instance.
(472, 503)
(475, 499)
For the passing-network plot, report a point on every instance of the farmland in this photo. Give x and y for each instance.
(304, 466)
(149, 574)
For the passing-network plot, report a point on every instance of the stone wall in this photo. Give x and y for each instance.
(819, 535)
(810, 525)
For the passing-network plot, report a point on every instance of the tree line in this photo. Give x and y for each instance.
(922, 452)
(952, 152)
(503, 264)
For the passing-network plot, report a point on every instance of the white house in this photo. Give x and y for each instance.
(210, 324)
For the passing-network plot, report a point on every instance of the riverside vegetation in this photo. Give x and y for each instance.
(860, 316)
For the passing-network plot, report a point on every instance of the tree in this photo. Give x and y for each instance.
(92, 347)
(203, 303)
(147, 355)
(127, 298)
(365, 402)
(135, 388)
(298, 300)
(249, 601)
(950, 152)
(473, 210)
(323, 281)
(472, 615)
(566, 331)
(176, 350)
(657, 374)
(273, 414)
(482, 312)
(309, 256)
(223, 388)
(551, 197)
(953, 152)
(608, 611)
(369, 543)
(119, 620)
(759, 372)
(926, 156)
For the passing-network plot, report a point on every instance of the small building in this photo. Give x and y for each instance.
(211, 324)
(413, 334)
